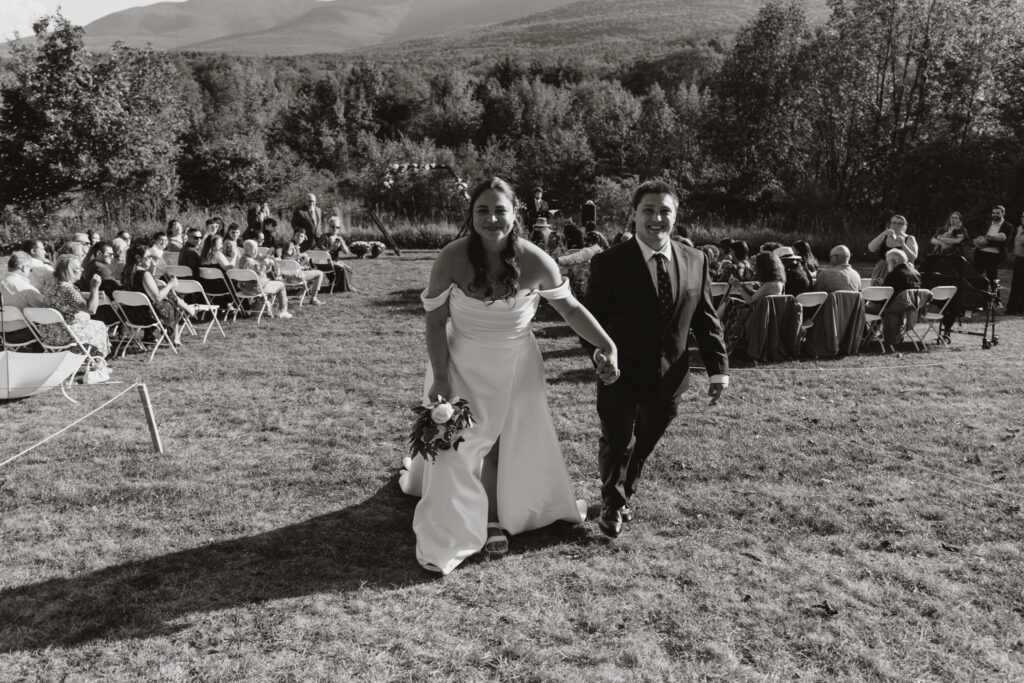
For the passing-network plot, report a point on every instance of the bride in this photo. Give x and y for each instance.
(508, 476)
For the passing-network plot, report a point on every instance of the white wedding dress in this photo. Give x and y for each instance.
(495, 364)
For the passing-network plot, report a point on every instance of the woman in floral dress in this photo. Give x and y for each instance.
(69, 301)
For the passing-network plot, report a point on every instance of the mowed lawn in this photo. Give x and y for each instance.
(854, 519)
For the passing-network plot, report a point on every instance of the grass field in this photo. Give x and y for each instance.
(856, 519)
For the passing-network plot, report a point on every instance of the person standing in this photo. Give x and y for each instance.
(648, 293)
(991, 244)
(588, 212)
(536, 207)
(309, 217)
(1015, 303)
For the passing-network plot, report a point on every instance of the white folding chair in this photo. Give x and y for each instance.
(170, 271)
(865, 282)
(36, 317)
(321, 260)
(171, 258)
(810, 300)
(941, 298)
(14, 322)
(218, 288)
(247, 287)
(291, 275)
(920, 299)
(873, 321)
(262, 252)
(192, 288)
(138, 315)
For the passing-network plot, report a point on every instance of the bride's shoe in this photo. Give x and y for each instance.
(497, 541)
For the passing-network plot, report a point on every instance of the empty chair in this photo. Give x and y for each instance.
(193, 292)
(170, 271)
(941, 298)
(812, 303)
(879, 296)
(865, 282)
(718, 290)
(918, 299)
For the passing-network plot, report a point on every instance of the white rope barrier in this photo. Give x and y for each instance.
(67, 427)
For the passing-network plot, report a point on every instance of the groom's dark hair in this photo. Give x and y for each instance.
(654, 187)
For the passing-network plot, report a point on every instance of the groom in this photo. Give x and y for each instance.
(648, 293)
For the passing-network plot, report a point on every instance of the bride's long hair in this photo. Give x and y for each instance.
(508, 278)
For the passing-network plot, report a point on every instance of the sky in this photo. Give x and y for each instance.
(18, 15)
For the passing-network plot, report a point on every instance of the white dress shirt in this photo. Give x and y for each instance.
(19, 292)
(652, 265)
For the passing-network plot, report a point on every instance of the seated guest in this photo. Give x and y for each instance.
(769, 271)
(770, 246)
(556, 245)
(949, 239)
(840, 276)
(739, 267)
(902, 277)
(17, 291)
(141, 259)
(590, 228)
(296, 246)
(37, 253)
(797, 281)
(233, 236)
(125, 235)
(212, 225)
(592, 245)
(160, 241)
(175, 235)
(342, 273)
(212, 253)
(190, 256)
(77, 311)
(713, 262)
(270, 240)
(624, 234)
(116, 265)
(735, 309)
(573, 236)
(98, 263)
(312, 277)
(337, 235)
(264, 269)
(803, 249)
(725, 249)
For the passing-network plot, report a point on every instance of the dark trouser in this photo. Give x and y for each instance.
(1015, 304)
(988, 263)
(632, 422)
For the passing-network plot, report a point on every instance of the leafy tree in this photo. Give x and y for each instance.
(756, 121)
(71, 122)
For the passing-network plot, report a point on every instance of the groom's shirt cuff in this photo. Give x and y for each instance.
(719, 379)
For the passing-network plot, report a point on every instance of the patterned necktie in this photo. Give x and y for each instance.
(665, 300)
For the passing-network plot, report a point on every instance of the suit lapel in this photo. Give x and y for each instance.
(644, 272)
(678, 257)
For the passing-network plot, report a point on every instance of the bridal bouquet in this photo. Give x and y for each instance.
(439, 426)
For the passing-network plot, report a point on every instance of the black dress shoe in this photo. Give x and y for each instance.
(610, 521)
(626, 513)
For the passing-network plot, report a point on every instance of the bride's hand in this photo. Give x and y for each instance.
(440, 387)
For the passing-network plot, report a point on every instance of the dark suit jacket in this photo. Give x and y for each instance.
(308, 221)
(623, 298)
(534, 210)
(190, 257)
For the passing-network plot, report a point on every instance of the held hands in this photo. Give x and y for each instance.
(95, 281)
(607, 365)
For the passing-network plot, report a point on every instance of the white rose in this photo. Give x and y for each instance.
(442, 413)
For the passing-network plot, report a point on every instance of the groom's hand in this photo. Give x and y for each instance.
(715, 390)
(606, 365)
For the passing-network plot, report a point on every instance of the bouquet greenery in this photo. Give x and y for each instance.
(439, 426)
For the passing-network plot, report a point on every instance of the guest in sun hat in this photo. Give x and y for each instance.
(797, 281)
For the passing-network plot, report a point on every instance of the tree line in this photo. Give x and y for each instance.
(909, 106)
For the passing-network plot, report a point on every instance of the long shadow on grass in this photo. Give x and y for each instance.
(368, 544)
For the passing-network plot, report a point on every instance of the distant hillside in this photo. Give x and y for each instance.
(637, 27)
(427, 29)
(294, 27)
